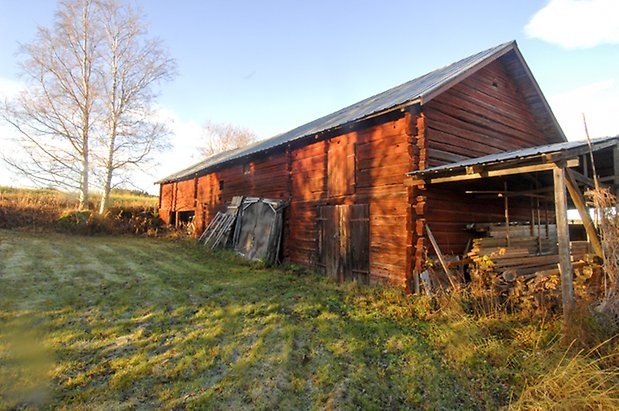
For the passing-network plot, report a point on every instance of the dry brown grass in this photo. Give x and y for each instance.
(581, 381)
(608, 225)
(40, 209)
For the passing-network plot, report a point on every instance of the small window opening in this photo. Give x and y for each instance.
(246, 168)
(495, 84)
(185, 217)
(221, 185)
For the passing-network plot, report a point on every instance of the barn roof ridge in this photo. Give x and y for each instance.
(417, 91)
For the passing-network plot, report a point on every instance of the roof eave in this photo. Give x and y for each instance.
(540, 93)
(401, 107)
(552, 156)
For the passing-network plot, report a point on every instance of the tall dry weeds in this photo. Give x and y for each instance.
(605, 204)
(581, 381)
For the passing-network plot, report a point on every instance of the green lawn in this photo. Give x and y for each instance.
(121, 322)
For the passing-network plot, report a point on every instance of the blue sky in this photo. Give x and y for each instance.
(273, 65)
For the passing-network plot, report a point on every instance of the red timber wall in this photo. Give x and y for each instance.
(177, 196)
(484, 114)
(365, 166)
(208, 194)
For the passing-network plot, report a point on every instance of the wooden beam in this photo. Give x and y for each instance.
(410, 182)
(565, 265)
(582, 178)
(581, 205)
(440, 255)
(500, 172)
(583, 150)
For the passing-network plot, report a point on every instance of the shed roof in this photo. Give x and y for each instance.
(528, 155)
(418, 91)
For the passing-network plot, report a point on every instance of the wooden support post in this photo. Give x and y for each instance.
(579, 202)
(565, 265)
(539, 229)
(532, 221)
(440, 255)
(539, 219)
(416, 288)
(546, 220)
(506, 213)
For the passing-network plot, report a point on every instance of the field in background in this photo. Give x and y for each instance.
(41, 209)
(48, 198)
(120, 322)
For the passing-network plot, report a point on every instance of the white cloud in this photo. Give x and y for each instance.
(576, 23)
(598, 101)
(9, 88)
(184, 142)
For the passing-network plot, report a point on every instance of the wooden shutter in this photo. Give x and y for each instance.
(341, 168)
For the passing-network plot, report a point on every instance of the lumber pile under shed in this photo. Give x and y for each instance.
(519, 267)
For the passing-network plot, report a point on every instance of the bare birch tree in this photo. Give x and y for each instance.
(54, 117)
(219, 137)
(88, 108)
(132, 65)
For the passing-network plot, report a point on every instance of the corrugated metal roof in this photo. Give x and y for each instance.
(511, 156)
(419, 90)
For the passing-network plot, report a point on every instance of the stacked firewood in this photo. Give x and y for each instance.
(526, 270)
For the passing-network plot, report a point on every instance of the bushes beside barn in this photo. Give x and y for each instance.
(48, 209)
(115, 221)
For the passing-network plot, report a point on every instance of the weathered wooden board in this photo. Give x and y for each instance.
(485, 113)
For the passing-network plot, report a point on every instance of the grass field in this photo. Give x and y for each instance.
(49, 209)
(43, 197)
(126, 322)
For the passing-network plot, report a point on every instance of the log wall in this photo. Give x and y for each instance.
(365, 166)
(360, 167)
(484, 114)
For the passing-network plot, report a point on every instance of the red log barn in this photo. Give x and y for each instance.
(350, 212)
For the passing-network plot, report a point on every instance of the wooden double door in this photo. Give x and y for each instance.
(344, 242)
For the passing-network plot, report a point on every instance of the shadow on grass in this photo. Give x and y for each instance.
(143, 323)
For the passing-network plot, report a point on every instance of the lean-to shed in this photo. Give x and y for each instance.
(350, 212)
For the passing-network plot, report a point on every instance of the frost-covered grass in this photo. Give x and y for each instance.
(125, 322)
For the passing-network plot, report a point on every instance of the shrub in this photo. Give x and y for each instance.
(115, 221)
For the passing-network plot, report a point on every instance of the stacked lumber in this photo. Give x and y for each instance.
(527, 268)
(579, 249)
(532, 245)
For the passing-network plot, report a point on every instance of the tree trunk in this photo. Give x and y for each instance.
(85, 166)
(107, 188)
(86, 67)
(109, 171)
(84, 185)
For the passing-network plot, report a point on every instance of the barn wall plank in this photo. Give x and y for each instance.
(484, 114)
(380, 162)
